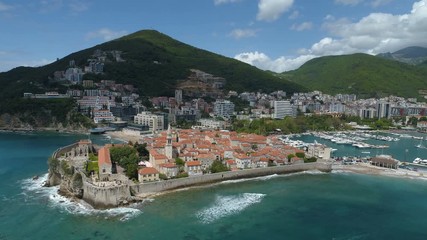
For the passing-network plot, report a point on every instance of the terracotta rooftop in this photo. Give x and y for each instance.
(193, 163)
(104, 156)
(147, 170)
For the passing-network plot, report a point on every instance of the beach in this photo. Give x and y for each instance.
(122, 136)
(366, 168)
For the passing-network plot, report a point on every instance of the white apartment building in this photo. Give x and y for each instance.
(154, 122)
(223, 108)
(102, 115)
(206, 123)
(96, 102)
(319, 151)
(282, 109)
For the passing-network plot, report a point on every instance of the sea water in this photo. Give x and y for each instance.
(308, 205)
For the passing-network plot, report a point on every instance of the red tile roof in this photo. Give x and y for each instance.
(104, 156)
(147, 170)
(193, 163)
(168, 165)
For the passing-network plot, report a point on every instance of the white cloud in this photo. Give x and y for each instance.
(373, 3)
(105, 34)
(294, 15)
(373, 34)
(377, 3)
(47, 6)
(243, 33)
(270, 10)
(348, 2)
(219, 2)
(4, 7)
(78, 6)
(281, 64)
(302, 27)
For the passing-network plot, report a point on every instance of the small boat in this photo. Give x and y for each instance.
(420, 145)
(97, 130)
(420, 161)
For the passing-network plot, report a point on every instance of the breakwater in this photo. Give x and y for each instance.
(144, 189)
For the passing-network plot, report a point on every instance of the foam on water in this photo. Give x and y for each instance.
(249, 179)
(268, 177)
(33, 189)
(228, 205)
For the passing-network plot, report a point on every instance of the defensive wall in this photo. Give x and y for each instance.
(154, 187)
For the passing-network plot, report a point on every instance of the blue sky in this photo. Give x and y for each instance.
(278, 35)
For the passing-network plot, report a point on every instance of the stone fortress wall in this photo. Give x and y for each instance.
(120, 191)
(155, 187)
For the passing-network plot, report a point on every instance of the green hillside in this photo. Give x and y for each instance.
(153, 63)
(361, 74)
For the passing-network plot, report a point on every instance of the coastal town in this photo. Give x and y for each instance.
(201, 101)
(190, 137)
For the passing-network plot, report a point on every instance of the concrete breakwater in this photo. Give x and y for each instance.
(144, 189)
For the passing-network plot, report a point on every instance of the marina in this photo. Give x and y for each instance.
(403, 146)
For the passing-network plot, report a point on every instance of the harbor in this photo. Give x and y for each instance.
(402, 145)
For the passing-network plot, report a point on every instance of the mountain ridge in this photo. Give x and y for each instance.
(361, 74)
(413, 55)
(153, 62)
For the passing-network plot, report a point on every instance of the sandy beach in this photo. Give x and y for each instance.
(366, 168)
(120, 135)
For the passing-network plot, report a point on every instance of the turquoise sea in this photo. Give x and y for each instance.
(308, 205)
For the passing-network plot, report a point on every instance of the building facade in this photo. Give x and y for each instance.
(223, 108)
(282, 109)
(154, 122)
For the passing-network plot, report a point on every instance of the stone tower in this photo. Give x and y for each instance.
(168, 146)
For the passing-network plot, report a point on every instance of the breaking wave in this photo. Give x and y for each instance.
(33, 189)
(228, 205)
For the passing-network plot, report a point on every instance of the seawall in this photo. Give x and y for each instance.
(144, 189)
(105, 197)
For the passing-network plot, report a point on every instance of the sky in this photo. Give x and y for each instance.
(276, 35)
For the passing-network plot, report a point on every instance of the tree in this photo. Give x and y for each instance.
(141, 149)
(218, 166)
(300, 154)
(290, 156)
(179, 162)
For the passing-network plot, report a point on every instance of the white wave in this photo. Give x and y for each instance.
(33, 189)
(268, 177)
(341, 171)
(250, 179)
(228, 205)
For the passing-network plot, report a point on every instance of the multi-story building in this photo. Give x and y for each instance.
(88, 83)
(178, 96)
(223, 108)
(206, 123)
(319, 151)
(282, 109)
(153, 121)
(383, 110)
(367, 113)
(74, 75)
(102, 115)
(97, 102)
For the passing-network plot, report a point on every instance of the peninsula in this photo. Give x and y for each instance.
(117, 174)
